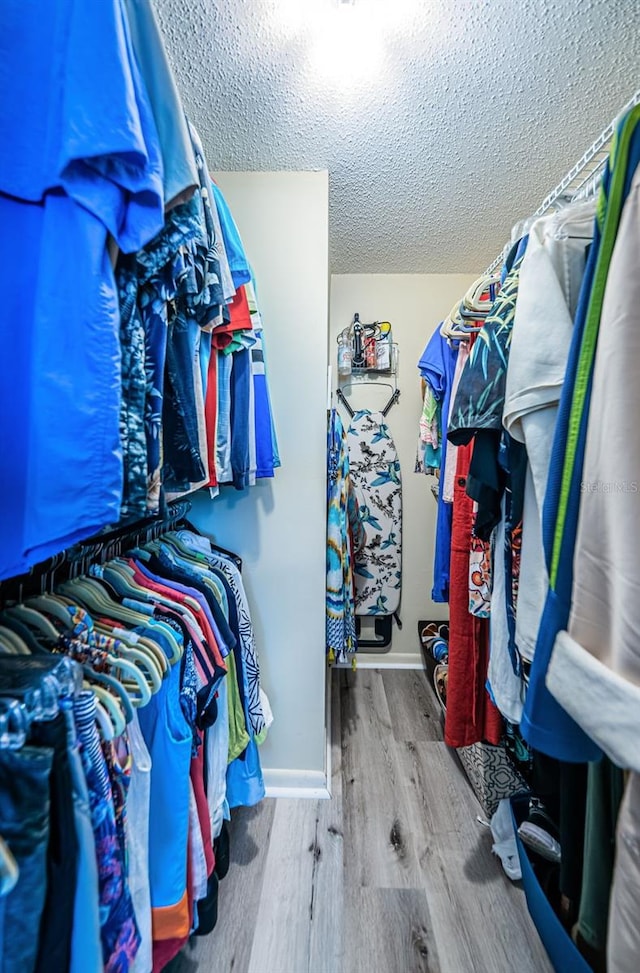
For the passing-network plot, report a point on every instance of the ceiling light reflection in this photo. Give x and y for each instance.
(346, 40)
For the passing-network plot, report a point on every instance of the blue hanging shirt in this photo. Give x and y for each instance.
(238, 263)
(437, 365)
(79, 159)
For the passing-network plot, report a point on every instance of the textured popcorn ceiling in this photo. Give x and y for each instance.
(441, 122)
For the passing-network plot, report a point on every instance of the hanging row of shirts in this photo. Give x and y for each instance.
(533, 438)
(113, 800)
(133, 361)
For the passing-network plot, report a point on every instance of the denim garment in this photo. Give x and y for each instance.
(183, 463)
(160, 267)
(25, 784)
(54, 948)
(3, 909)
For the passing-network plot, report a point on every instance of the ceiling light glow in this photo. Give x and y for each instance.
(347, 47)
(346, 41)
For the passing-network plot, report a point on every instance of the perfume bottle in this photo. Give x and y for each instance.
(345, 354)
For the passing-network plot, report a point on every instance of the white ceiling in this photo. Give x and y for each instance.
(440, 121)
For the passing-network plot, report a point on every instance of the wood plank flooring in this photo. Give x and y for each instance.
(393, 875)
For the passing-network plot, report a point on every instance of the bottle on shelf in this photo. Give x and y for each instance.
(358, 342)
(370, 352)
(384, 347)
(345, 353)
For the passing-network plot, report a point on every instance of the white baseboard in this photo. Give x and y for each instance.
(306, 784)
(389, 660)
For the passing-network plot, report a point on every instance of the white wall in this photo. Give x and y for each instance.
(279, 526)
(414, 304)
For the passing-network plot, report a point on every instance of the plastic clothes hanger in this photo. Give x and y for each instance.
(35, 620)
(188, 530)
(473, 299)
(130, 644)
(113, 686)
(204, 572)
(111, 705)
(158, 596)
(25, 633)
(49, 604)
(151, 623)
(454, 326)
(90, 593)
(81, 625)
(144, 661)
(131, 674)
(133, 679)
(196, 543)
(149, 678)
(195, 557)
(11, 644)
(452, 322)
(202, 569)
(123, 643)
(103, 718)
(121, 577)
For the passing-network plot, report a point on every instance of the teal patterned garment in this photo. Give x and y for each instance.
(479, 400)
(147, 280)
(344, 532)
(375, 471)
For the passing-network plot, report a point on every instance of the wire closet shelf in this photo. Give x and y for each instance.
(583, 178)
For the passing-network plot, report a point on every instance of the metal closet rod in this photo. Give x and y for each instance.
(583, 178)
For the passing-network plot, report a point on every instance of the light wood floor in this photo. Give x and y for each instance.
(393, 875)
